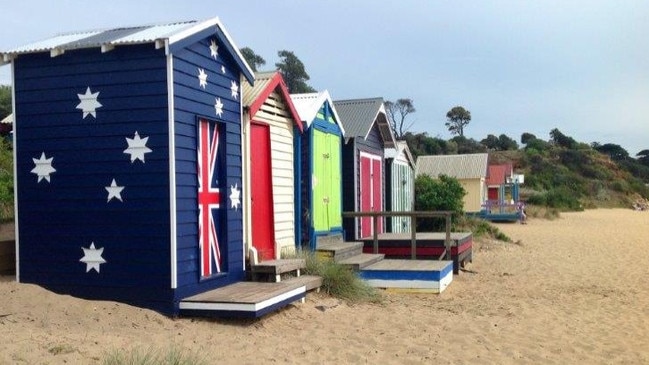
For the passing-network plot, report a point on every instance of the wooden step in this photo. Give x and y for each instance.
(275, 268)
(361, 261)
(329, 239)
(422, 276)
(339, 251)
(310, 282)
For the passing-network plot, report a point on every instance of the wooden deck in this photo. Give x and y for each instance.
(248, 298)
(243, 299)
(430, 246)
(410, 275)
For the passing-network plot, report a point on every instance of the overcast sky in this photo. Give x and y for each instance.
(518, 66)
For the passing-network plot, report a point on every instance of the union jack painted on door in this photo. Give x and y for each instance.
(209, 198)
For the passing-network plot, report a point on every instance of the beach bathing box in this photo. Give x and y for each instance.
(470, 170)
(399, 186)
(497, 178)
(318, 157)
(128, 162)
(270, 125)
(367, 135)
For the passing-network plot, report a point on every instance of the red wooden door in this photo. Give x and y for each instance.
(493, 194)
(377, 191)
(261, 192)
(366, 196)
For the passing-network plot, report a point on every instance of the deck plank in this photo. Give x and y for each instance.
(408, 265)
(245, 292)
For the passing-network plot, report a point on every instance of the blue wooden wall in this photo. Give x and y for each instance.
(62, 214)
(71, 211)
(192, 101)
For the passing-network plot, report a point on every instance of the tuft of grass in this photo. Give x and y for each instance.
(339, 281)
(61, 349)
(153, 356)
(536, 211)
(481, 228)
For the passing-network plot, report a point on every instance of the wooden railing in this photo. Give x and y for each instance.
(413, 227)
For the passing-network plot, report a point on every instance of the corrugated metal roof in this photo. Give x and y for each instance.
(265, 83)
(497, 174)
(401, 147)
(97, 38)
(308, 105)
(169, 32)
(471, 166)
(359, 115)
(251, 93)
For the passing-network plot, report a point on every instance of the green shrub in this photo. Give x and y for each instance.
(6, 182)
(445, 193)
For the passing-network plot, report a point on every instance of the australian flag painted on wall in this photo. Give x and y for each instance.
(209, 197)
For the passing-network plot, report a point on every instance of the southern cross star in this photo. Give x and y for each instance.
(214, 49)
(114, 191)
(218, 107)
(137, 147)
(235, 197)
(88, 103)
(202, 78)
(43, 167)
(235, 89)
(92, 257)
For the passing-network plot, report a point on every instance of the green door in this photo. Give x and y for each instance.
(335, 194)
(326, 181)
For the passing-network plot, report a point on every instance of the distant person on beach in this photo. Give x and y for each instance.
(523, 216)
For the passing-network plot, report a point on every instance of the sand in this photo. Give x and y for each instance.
(574, 290)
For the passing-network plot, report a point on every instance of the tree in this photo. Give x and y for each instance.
(254, 60)
(506, 143)
(292, 69)
(397, 113)
(458, 118)
(467, 145)
(491, 142)
(526, 137)
(614, 151)
(5, 101)
(562, 140)
(421, 144)
(444, 193)
(643, 157)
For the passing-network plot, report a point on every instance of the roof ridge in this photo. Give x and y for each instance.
(359, 100)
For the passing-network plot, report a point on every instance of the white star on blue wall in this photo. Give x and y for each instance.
(88, 103)
(43, 167)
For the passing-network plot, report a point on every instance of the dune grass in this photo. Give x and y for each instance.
(340, 281)
(153, 356)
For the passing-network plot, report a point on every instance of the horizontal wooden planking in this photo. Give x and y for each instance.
(71, 211)
(191, 101)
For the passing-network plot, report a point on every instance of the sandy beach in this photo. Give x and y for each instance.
(573, 290)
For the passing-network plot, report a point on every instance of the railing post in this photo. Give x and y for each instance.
(448, 236)
(375, 218)
(413, 237)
